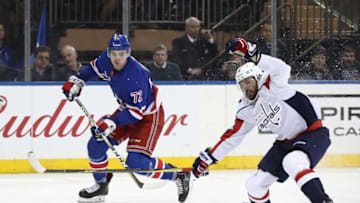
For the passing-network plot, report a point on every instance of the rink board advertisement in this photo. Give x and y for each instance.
(38, 118)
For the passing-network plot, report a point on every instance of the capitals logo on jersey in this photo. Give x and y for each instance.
(269, 115)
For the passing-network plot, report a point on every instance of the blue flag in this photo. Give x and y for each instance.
(41, 36)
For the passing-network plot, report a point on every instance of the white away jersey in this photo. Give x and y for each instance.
(278, 108)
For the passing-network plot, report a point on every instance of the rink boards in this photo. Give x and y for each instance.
(36, 117)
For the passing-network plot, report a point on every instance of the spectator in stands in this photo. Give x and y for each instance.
(42, 70)
(194, 49)
(71, 65)
(5, 52)
(349, 68)
(317, 68)
(161, 69)
(7, 72)
(264, 43)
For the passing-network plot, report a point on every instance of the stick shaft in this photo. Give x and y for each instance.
(93, 123)
(117, 170)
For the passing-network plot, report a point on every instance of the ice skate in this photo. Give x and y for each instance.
(95, 193)
(183, 184)
(329, 201)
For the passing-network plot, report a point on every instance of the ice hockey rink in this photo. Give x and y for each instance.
(219, 187)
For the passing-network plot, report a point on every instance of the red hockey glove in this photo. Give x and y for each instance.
(105, 129)
(201, 164)
(72, 87)
(247, 50)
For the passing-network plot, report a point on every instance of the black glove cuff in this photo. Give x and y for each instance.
(207, 150)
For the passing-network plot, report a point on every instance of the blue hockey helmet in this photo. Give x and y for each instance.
(119, 42)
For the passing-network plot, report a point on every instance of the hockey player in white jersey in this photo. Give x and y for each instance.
(272, 105)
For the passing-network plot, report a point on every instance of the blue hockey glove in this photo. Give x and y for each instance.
(201, 164)
(105, 129)
(72, 88)
(247, 50)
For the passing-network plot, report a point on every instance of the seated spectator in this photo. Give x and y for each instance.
(349, 68)
(161, 69)
(5, 52)
(265, 41)
(41, 69)
(71, 66)
(7, 70)
(317, 69)
(192, 50)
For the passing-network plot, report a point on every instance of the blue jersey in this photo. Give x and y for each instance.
(132, 87)
(6, 56)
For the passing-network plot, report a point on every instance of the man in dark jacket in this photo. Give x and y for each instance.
(348, 68)
(193, 49)
(42, 70)
(317, 68)
(71, 65)
(161, 68)
(264, 43)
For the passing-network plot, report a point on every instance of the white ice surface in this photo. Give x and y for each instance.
(219, 187)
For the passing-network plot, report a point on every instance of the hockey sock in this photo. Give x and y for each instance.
(314, 190)
(99, 165)
(99, 177)
(97, 157)
(139, 160)
(159, 164)
(262, 199)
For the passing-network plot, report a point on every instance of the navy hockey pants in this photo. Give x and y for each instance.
(313, 143)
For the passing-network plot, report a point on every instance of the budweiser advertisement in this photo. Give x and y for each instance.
(39, 118)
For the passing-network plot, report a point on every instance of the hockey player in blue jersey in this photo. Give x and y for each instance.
(139, 117)
(269, 103)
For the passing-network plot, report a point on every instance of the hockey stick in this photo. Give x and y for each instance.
(40, 169)
(93, 123)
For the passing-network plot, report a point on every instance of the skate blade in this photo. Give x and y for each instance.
(96, 199)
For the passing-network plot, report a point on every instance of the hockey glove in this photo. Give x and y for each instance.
(72, 87)
(201, 164)
(105, 129)
(247, 50)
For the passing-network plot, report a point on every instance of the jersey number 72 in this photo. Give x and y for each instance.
(137, 96)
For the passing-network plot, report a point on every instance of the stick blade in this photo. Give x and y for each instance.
(34, 162)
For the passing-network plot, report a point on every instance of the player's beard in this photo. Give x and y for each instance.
(251, 94)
